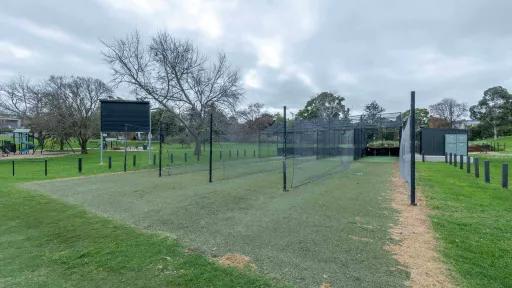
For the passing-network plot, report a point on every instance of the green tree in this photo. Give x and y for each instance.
(421, 115)
(494, 109)
(324, 105)
(373, 112)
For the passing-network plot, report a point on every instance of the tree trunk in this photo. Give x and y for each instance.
(83, 146)
(197, 148)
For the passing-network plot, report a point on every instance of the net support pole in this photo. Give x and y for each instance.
(101, 148)
(413, 147)
(211, 150)
(284, 149)
(149, 139)
(125, 145)
(160, 136)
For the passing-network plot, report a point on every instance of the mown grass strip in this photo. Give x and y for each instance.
(472, 220)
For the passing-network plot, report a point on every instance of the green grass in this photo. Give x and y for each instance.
(473, 222)
(332, 230)
(47, 243)
(504, 140)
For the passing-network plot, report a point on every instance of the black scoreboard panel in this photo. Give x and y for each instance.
(123, 115)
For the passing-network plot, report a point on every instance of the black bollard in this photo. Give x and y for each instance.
(487, 172)
(451, 156)
(476, 164)
(109, 162)
(461, 162)
(468, 164)
(504, 175)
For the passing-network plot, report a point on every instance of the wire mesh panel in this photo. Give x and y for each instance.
(317, 148)
(405, 153)
(240, 149)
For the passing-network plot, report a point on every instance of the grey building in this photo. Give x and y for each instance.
(9, 122)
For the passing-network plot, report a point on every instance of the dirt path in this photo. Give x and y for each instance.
(416, 246)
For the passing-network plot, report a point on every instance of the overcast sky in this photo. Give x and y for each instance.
(286, 51)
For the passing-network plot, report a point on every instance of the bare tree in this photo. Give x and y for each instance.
(175, 75)
(27, 101)
(449, 110)
(16, 97)
(79, 98)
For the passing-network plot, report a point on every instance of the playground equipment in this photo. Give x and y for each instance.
(23, 141)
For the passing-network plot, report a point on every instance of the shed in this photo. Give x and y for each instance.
(438, 141)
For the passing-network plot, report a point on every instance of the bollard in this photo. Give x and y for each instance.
(172, 158)
(422, 157)
(45, 167)
(476, 164)
(13, 168)
(134, 160)
(487, 172)
(154, 159)
(468, 164)
(445, 157)
(461, 162)
(504, 175)
(451, 158)
(185, 156)
(254, 153)
(220, 155)
(455, 160)
(79, 165)
(109, 162)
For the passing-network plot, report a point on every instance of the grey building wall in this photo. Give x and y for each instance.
(432, 140)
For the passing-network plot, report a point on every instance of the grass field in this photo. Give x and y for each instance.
(472, 221)
(503, 141)
(332, 230)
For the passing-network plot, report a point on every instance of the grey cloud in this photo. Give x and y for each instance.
(363, 50)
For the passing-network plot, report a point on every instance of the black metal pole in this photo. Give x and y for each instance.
(45, 167)
(211, 149)
(445, 157)
(13, 171)
(476, 164)
(284, 149)
(504, 175)
(451, 158)
(461, 162)
(125, 145)
(455, 160)
(468, 164)
(79, 165)
(109, 162)
(413, 147)
(160, 136)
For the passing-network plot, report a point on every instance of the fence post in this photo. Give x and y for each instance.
(445, 157)
(210, 153)
(172, 158)
(461, 161)
(154, 159)
(504, 175)
(254, 153)
(79, 165)
(220, 155)
(185, 156)
(487, 172)
(109, 162)
(134, 160)
(476, 163)
(451, 156)
(422, 157)
(45, 167)
(468, 164)
(455, 160)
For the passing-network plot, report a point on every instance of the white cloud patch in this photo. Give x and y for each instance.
(268, 50)
(252, 80)
(10, 51)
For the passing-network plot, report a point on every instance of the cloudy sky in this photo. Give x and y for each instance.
(286, 51)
